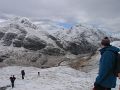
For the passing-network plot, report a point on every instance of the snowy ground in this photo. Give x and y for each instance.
(56, 78)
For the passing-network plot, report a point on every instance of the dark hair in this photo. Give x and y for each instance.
(105, 41)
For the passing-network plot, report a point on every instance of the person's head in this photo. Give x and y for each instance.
(105, 41)
(22, 70)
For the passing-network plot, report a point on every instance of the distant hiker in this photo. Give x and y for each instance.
(12, 79)
(38, 73)
(23, 74)
(106, 78)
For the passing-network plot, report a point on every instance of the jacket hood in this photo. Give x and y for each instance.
(109, 48)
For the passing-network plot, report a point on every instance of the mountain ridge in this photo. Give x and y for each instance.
(31, 44)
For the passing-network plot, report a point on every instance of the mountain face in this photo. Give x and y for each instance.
(20, 32)
(23, 42)
(80, 39)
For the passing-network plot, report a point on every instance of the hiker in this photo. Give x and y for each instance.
(106, 78)
(23, 74)
(38, 73)
(12, 79)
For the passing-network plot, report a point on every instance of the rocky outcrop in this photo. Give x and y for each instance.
(1, 34)
(27, 23)
(18, 42)
(28, 44)
(4, 87)
(79, 39)
(81, 48)
(33, 43)
(3, 57)
(53, 51)
(8, 37)
(57, 41)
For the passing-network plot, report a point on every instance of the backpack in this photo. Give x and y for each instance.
(117, 65)
(23, 72)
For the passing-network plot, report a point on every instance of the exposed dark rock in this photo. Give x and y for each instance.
(16, 26)
(4, 88)
(8, 37)
(21, 37)
(28, 23)
(34, 60)
(35, 57)
(1, 34)
(33, 43)
(53, 51)
(52, 37)
(17, 43)
(57, 41)
(3, 57)
(81, 48)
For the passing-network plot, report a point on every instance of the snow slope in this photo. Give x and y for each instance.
(56, 78)
(116, 43)
(117, 35)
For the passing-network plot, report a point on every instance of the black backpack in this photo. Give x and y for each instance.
(117, 65)
(23, 72)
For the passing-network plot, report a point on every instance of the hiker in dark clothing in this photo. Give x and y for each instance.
(38, 73)
(23, 74)
(106, 78)
(12, 79)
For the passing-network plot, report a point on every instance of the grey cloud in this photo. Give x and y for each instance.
(105, 11)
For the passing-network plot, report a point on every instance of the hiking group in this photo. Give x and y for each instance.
(109, 66)
(13, 78)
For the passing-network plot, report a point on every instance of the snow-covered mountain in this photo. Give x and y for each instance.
(21, 41)
(55, 78)
(18, 29)
(80, 39)
(24, 42)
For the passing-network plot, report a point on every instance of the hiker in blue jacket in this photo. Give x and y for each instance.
(106, 78)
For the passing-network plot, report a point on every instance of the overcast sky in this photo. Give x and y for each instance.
(99, 12)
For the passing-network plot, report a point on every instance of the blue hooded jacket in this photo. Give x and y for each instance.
(107, 59)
